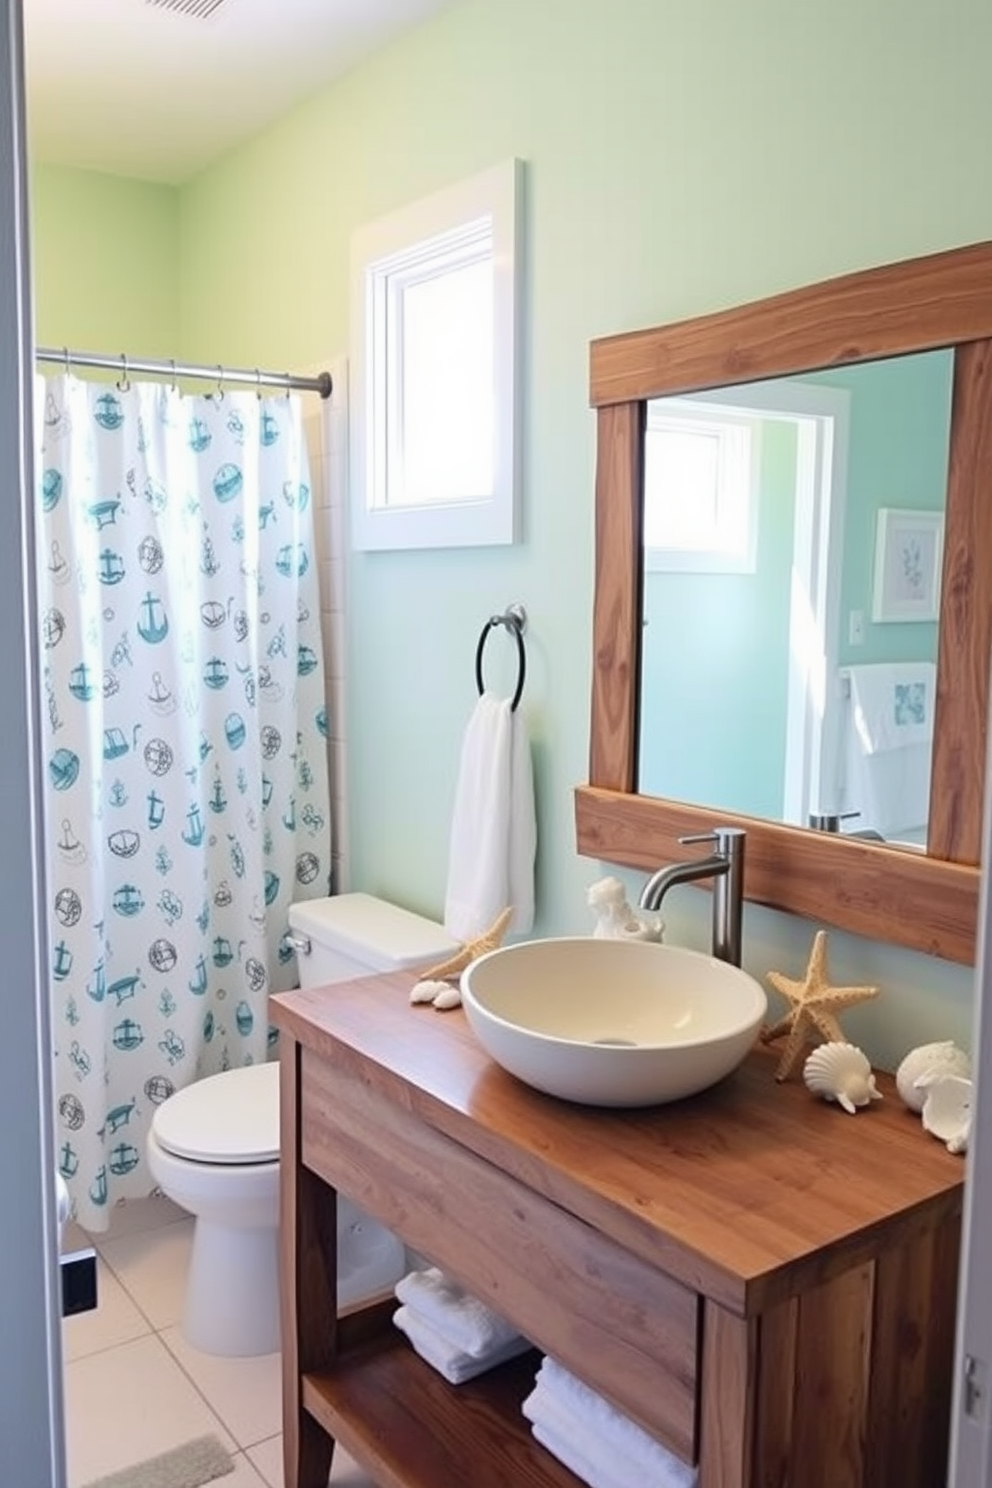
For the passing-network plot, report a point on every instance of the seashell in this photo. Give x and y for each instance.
(448, 997)
(841, 1073)
(427, 990)
(947, 1111)
(923, 1065)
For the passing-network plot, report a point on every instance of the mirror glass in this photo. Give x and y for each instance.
(791, 570)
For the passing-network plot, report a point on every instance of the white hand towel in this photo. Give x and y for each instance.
(523, 828)
(571, 1409)
(463, 1321)
(493, 828)
(455, 1366)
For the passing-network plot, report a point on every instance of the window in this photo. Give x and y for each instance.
(700, 508)
(434, 337)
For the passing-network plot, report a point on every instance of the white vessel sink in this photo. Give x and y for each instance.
(612, 1022)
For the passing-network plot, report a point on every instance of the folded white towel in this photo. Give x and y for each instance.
(568, 1452)
(455, 1365)
(465, 1322)
(591, 1457)
(493, 828)
(569, 1408)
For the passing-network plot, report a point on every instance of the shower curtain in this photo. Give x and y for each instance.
(185, 744)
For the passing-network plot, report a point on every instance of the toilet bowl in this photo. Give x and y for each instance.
(213, 1148)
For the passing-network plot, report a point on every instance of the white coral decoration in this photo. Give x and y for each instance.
(605, 894)
(615, 920)
(841, 1073)
(930, 1062)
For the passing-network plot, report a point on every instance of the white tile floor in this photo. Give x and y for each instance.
(134, 1387)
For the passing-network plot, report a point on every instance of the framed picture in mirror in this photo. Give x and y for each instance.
(908, 552)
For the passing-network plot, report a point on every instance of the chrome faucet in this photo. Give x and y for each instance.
(725, 865)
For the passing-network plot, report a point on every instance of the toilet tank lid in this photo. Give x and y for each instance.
(377, 934)
(232, 1117)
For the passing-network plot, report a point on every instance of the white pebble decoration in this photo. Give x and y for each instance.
(841, 1072)
(922, 1066)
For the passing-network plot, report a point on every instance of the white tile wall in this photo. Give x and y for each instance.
(326, 427)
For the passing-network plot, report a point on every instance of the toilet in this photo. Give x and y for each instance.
(213, 1148)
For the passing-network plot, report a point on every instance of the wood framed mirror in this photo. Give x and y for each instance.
(924, 901)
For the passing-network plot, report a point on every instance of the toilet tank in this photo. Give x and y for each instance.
(355, 935)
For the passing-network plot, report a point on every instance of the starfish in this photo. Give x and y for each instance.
(813, 1002)
(490, 940)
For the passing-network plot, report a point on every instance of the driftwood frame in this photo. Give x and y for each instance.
(925, 902)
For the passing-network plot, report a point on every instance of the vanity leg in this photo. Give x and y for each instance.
(308, 1285)
(726, 1426)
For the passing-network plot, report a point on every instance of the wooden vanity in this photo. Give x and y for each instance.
(766, 1284)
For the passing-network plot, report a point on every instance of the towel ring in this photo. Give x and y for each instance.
(514, 620)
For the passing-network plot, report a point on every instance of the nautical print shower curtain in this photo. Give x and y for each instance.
(185, 726)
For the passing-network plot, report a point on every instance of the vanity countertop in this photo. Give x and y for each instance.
(748, 1193)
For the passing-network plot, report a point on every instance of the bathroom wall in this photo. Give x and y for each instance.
(679, 159)
(105, 262)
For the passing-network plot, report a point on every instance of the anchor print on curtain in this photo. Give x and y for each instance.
(185, 745)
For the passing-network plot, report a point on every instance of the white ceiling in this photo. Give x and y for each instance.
(138, 89)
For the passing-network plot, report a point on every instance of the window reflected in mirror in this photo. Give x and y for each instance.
(775, 681)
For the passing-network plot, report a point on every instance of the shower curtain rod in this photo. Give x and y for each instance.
(321, 384)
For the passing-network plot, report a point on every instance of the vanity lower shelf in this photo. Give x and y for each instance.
(396, 1414)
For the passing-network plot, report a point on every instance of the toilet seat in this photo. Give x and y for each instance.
(227, 1119)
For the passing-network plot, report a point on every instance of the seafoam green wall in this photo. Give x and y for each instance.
(680, 158)
(105, 262)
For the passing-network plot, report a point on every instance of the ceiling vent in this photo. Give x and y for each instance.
(198, 9)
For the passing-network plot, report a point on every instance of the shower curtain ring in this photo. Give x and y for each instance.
(173, 361)
(123, 382)
(258, 384)
(65, 357)
(220, 382)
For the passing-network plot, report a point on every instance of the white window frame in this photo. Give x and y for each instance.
(447, 230)
(732, 428)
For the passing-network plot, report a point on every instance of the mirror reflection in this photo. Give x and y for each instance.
(791, 569)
